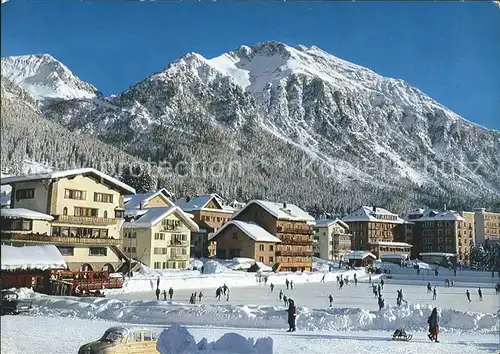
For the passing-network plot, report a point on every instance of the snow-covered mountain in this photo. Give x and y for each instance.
(302, 123)
(45, 78)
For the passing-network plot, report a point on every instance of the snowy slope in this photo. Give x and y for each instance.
(45, 77)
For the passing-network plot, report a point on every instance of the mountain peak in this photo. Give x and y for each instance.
(45, 77)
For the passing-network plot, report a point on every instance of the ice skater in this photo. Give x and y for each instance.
(429, 288)
(291, 284)
(433, 322)
(281, 294)
(164, 295)
(285, 300)
(330, 298)
(200, 296)
(287, 284)
(434, 294)
(157, 292)
(271, 287)
(467, 293)
(171, 293)
(323, 278)
(292, 315)
(381, 302)
(480, 294)
(382, 284)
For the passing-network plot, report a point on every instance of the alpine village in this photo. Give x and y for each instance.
(91, 230)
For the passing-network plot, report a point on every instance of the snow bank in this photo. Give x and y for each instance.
(217, 272)
(178, 340)
(31, 257)
(412, 317)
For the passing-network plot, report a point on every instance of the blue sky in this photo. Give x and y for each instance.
(449, 50)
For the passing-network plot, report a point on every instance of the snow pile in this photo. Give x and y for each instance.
(178, 340)
(32, 257)
(323, 265)
(412, 317)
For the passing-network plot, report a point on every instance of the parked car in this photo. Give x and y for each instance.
(123, 340)
(12, 304)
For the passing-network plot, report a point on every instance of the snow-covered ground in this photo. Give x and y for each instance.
(352, 325)
(28, 335)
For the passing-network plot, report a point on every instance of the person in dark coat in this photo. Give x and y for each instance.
(480, 293)
(272, 287)
(467, 293)
(157, 293)
(287, 284)
(171, 293)
(281, 294)
(164, 295)
(433, 322)
(285, 300)
(330, 297)
(381, 302)
(292, 315)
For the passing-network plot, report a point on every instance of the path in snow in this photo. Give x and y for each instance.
(28, 335)
(315, 295)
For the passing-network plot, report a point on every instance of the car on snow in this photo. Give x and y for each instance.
(12, 304)
(123, 340)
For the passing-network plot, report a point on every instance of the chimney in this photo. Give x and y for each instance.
(284, 205)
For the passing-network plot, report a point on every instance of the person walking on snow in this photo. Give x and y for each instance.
(433, 322)
(170, 293)
(381, 302)
(369, 279)
(382, 284)
(330, 297)
(480, 293)
(287, 283)
(434, 294)
(467, 293)
(157, 292)
(292, 315)
(225, 288)
(272, 287)
(291, 284)
(285, 300)
(164, 295)
(218, 293)
(429, 288)
(281, 294)
(200, 296)
(355, 280)
(323, 278)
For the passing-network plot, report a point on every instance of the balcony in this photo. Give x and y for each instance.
(179, 243)
(290, 241)
(294, 253)
(59, 240)
(179, 257)
(170, 228)
(302, 231)
(84, 220)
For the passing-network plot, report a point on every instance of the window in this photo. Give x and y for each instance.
(157, 265)
(119, 214)
(79, 211)
(271, 248)
(66, 251)
(159, 236)
(98, 251)
(165, 265)
(261, 259)
(103, 198)
(271, 259)
(25, 193)
(75, 194)
(105, 214)
(235, 236)
(65, 211)
(160, 250)
(130, 249)
(261, 248)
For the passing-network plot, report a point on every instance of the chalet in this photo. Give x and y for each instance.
(245, 239)
(290, 224)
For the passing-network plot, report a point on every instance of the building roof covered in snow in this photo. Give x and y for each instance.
(32, 257)
(252, 230)
(373, 214)
(125, 188)
(146, 218)
(329, 222)
(360, 255)
(139, 201)
(281, 211)
(200, 202)
(394, 244)
(21, 213)
(439, 215)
